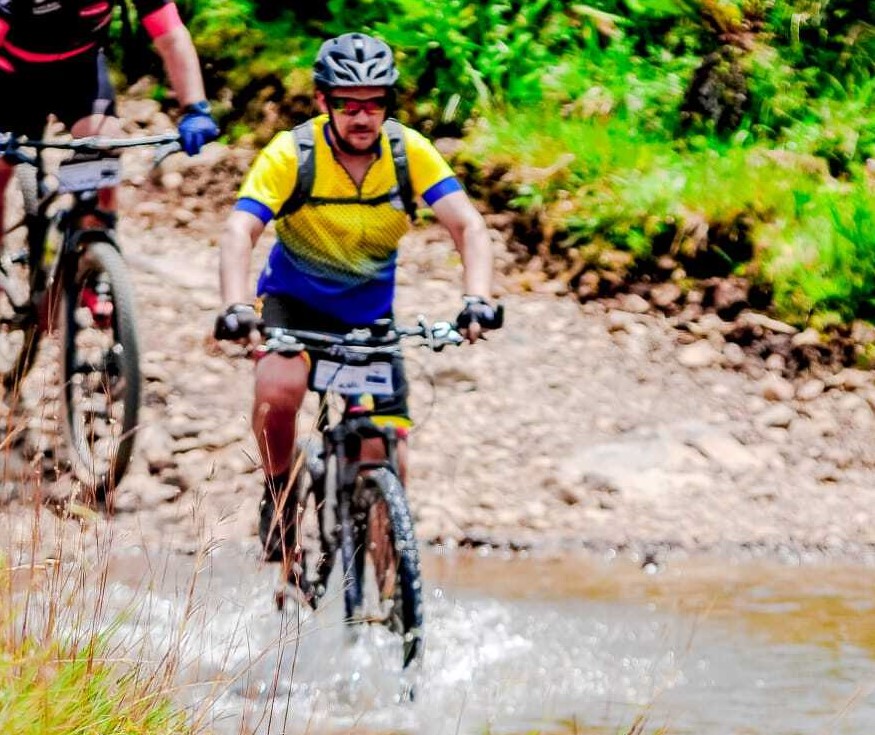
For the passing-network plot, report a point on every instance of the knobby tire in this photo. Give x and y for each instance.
(101, 257)
(406, 618)
(30, 333)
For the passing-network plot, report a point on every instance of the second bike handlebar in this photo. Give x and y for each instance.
(10, 145)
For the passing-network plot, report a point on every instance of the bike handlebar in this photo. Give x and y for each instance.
(10, 145)
(381, 337)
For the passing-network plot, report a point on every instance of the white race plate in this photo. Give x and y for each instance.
(375, 378)
(89, 175)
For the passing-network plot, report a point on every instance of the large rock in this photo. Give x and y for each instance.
(778, 416)
(648, 466)
(633, 303)
(155, 444)
(850, 379)
(775, 388)
(665, 294)
(700, 354)
(810, 389)
(726, 452)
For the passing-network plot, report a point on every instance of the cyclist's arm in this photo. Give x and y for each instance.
(173, 43)
(457, 213)
(241, 233)
(264, 189)
(433, 181)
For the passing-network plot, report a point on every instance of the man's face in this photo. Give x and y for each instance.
(358, 113)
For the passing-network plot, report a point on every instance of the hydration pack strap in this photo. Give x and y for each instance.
(303, 135)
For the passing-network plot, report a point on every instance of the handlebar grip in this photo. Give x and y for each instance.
(229, 327)
(221, 331)
(498, 322)
(165, 150)
(471, 316)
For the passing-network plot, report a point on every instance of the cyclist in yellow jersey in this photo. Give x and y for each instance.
(333, 265)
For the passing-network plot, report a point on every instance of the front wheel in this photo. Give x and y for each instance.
(101, 370)
(19, 328)
(386, 556)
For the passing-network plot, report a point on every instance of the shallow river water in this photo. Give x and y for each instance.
(517, 645)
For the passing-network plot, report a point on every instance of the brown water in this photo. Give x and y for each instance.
(563, 645)
(828, 606)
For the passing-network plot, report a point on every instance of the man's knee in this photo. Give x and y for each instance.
(107, 126)
(280, 383)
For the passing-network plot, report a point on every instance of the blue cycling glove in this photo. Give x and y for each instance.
(197, 127)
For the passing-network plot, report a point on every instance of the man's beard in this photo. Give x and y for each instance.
(372, 135)
(344, 145)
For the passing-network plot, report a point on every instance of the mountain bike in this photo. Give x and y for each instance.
(71, 274)
(339, 503)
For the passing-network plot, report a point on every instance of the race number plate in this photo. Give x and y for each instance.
(375, 378)
(89, 175)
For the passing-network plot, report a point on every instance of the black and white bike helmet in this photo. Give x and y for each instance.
(354, 60)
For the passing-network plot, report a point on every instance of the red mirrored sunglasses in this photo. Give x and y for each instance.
(353, 106)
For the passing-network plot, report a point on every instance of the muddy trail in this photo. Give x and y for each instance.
(601, 426)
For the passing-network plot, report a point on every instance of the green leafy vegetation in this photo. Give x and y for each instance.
(617, 125)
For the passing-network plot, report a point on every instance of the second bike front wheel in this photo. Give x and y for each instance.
(19, 329)
(385, 541)
(101, 369)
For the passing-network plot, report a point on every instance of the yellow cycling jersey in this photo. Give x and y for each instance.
(340, 246)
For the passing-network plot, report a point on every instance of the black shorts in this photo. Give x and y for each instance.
(70, 89)
(289, 313)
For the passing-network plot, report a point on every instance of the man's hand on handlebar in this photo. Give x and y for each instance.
(238, 323)
(197, 127)
(477, 316)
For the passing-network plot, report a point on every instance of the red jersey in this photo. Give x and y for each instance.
(43, 31)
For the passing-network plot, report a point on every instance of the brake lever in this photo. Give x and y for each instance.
(499, 316)
(444, 333)
(164, 151)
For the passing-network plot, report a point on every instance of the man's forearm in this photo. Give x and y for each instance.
(234, 261)
(476, 254)
(181, 63)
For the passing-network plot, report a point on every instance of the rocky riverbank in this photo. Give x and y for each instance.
(610, 425)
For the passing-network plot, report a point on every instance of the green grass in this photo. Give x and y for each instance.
(59, 676)
(47, 687)
(823, 261)
(807, 235)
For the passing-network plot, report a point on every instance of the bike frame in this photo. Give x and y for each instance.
(341, 447)
(44, 286)
(341, 441)
(86, 245)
